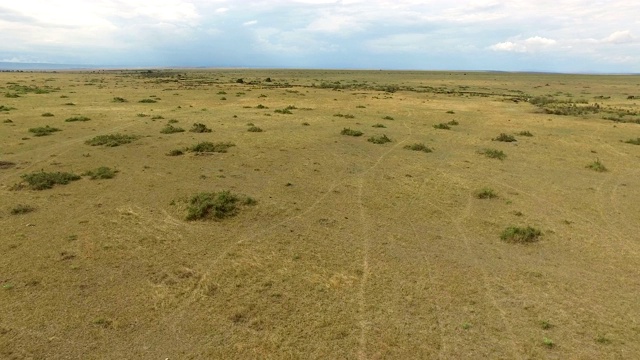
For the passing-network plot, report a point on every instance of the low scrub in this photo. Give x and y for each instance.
(419, 147)
(486, 193)
(210, 147)
(525, 133)
(102, 172)
(504, 138)
(254, 129)
(387, 118)
(378, 125)
(493, 154)
(47, 114)
(148, 101)
(22, 209)
(118, 99)
(351, 132)
(77, 118)
(442, 126)
(199, 128)
(43, 130)
(175, 152)
(597, 166)
(379, 139)
(453, 123)
(346, 116)
(635, 141)
(6, 164)
(112, 140)
(523, 235)
(46, 180)
(6, 108)
(216, 205)
(170, 129)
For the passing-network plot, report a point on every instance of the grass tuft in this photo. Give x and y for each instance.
(522, 235)
(111, 140)
(525, 133)
(350, 132)
(22, 209)
(170, 129)
(47, 114)
(504, 137)
(175, 152)
(77, 118)
(118, 99)
(148, 101)
(493, 154)
(419, 147)
(597, 166)
(254, 129)
(209, 147)
(379, 139)
(486, 193)
(216, 205)
(102, 172)
(633, 141)
(43, 131)
(199, 128)
(442, 126)
(46, 180)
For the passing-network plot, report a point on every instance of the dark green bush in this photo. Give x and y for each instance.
(419, 147)
(111, 140)
(102, 172)
(46, 180)
(379, 139)
(170, 129)
(214, 205)
(43, 131)
(207, 146)
(350, 132)
(504, 137)
(77, 118)
(199, 128)
(515, 234)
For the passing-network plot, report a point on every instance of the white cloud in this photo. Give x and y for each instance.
(249, 23)
(620, 37)
(508, 46)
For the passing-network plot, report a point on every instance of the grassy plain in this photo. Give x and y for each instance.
(351, 248)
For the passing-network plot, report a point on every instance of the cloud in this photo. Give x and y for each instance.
(508, 46)
(620, 37)
(249, 23)
(532, 44)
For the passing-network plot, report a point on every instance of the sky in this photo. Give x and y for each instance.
(516, 35)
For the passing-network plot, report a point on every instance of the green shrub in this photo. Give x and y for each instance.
(46, 180)
(148, 101)
(260, 106)
(11, 95)
(378, 125)
(254, 129)
(453, 122)
(22, 209)
(515, 234)
(43, 131)
(160, 117)
(450, 112)
(633, 141)
(170, 129)
(118, 99)
(112, 140)
(77, 118)
(387, 118)
(175, 152)
(102, 172)
(442, 126)
(199, 128)
(214, 205)
(346, 116)
(350, 132)
(486, 193)
(207, 146)
(6, 108)
(525, 133)
(504, 137)
(283, 111)
(47, 114)
(419, 147)
(379, 139)
(493, 154)
(597, 166)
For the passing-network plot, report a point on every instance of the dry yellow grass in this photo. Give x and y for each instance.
(353, 250)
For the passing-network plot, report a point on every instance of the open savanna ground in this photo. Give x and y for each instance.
(501, 220)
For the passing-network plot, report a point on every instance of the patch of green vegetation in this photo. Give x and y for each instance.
(545, 325)
(419, 147)
(77, 118)
(208, 146)
(254, 129)
(453, 122)
(112, 140)
(378, 125)
(46, 180)
(43, 131)
(216, 205)
(22, 209)
(6, 108)
(633, 141)
(493, 154)
(442, 126)
(160, 117)
(350, 132)
(283, 111)
(260, 106)
(47, 114)
(486, 193)
(515, 234)
(23, 89)
(148, 101)
(70, 104)
(597, 166)
(118, 99)
(601, 339)
(199, 128)
(175, 152)
(548, 342)
(102, 172)
(346, 116)
(11, 95)
(504, 137)
(170, 129)
(379, 139)
(388, 118)
(6, 164)
(525, 133)
(361, 107)
(450, 112)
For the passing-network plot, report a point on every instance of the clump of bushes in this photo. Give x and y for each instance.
(523, 235)
(504, 137)
(102, 172)
(379, 139)
(170, 129)
(419, 147)
(493, 154)
(350, 132)
(208, 146)
(46, 180)
(216, 205)
(199, 128)
(43, 131)
(77, 118)
(22, 209)
(111, 140)
(442, 126)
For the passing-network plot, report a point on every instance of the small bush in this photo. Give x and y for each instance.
(22, 209)
(419, 147)
(515, 234)
(102, 172)
(11, 95)
(350, 132)
(254, 129)
(486, 193)
(118, 99)
(142, 115)
(442, 126)
(148, 101)
(218, 205)
(170, 129)
(378, 125)
(597, 166)
(77, 118)
(6, 164)
(43, 131)
(70, 104)
(379, 139)
(346, 116)
(160, 117)
(47, 114)
(6, 108)
(633, 141)
(453, 122)
(525, 133)
(305, 124)
(175, 152)
(387, 118)
(260, 106)
(504, 137)
(207, 146)
(283, 111)
(494, 154)
(450, 112)
(199, 128)
(111, 140)
(46, 180)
